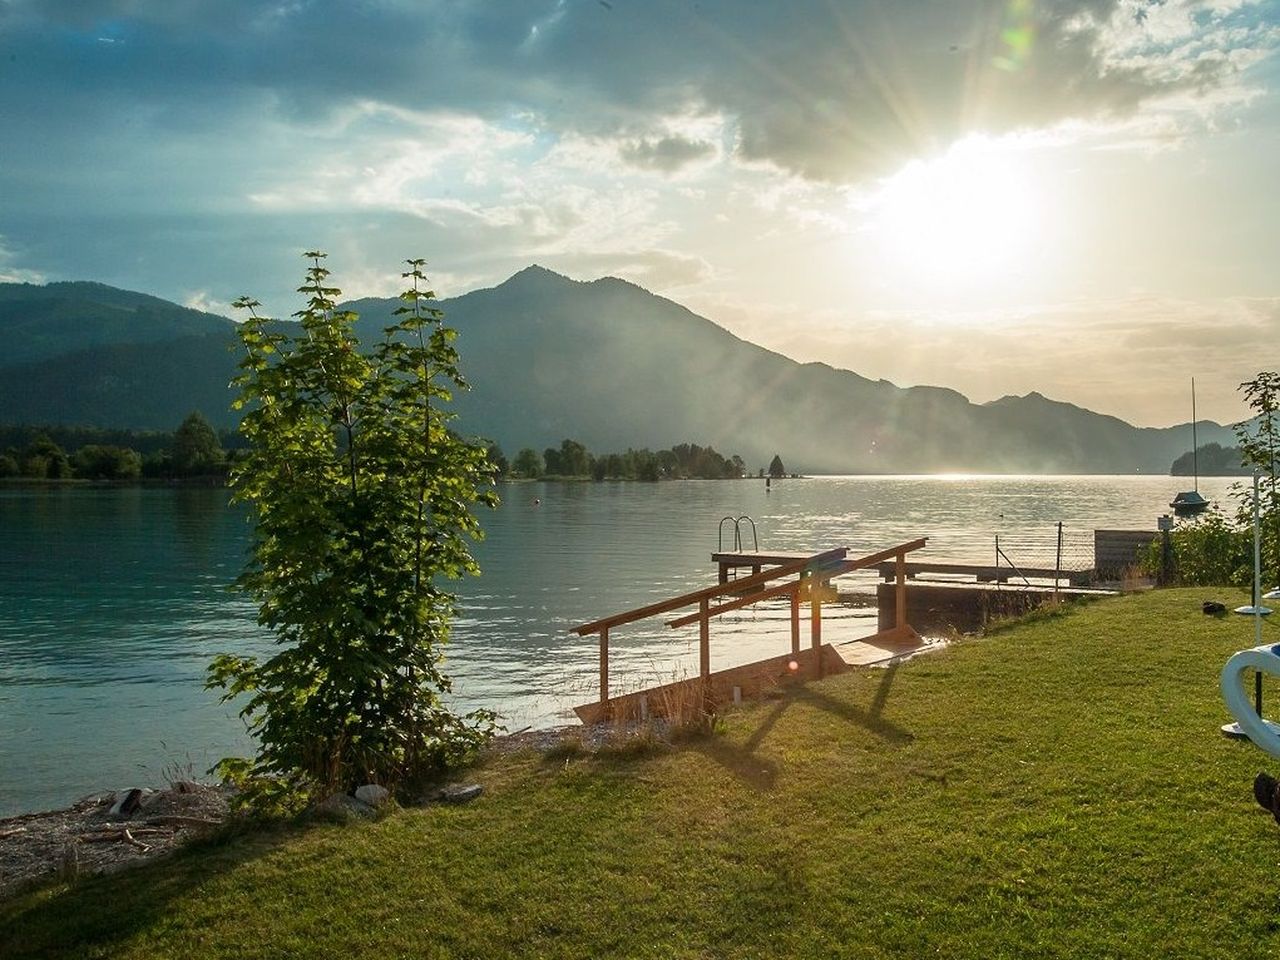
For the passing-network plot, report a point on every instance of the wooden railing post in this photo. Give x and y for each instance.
(604, 664)
(815, 624)
(900, 592)
(795, 618)
(704, 638)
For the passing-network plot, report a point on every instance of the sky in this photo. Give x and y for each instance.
(1079, 198)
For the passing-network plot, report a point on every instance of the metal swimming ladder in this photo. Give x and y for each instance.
(737, 537)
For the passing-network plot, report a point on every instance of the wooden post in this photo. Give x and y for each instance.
(900, 594)
(795, 619)
(724, 572)
(815, 625)
(604, 664)
(704, 638)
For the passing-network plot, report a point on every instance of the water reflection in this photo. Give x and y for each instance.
(112, 601)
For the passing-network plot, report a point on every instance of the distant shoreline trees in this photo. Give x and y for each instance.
(193, 452)
(572, 460)
(1214, 460)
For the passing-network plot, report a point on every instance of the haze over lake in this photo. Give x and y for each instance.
(112, 600)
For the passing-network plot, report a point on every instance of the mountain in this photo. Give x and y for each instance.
(42, 322)
(604, 362)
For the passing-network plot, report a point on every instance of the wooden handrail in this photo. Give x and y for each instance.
(871, 559)
(823, 559)
(818, 568)
(833, 570)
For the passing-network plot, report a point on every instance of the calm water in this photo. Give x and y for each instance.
(113, 600)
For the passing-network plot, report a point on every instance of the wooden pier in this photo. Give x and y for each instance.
(984, 573)
(805, 578)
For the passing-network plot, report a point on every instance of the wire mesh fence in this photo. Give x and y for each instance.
(1056, 547)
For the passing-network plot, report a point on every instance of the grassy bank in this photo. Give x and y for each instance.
(1056, 790)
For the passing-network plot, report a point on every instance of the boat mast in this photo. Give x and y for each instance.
(1195, 446)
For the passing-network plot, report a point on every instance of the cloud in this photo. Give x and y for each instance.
(211, 140)
(830, 91)
(668, 154)
(656, 270)
(10, 271)
(201, 300)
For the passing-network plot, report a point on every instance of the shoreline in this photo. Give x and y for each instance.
(108, 831)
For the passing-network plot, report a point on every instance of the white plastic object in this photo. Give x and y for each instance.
(1264, 659)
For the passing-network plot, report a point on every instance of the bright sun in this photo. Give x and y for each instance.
(967, 217)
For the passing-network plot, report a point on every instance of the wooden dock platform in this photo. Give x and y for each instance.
(984, 573)
(756, 560)
(805, 578)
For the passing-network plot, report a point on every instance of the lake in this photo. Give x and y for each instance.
(113, 600)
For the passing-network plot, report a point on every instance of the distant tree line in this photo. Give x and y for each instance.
(84, 453)
(1215, 460)
(195, 449)
(573, 459)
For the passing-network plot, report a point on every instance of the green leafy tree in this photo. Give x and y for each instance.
(776, 468)
(527, 464)
(364, 505)
(196, 450)
(1208, 550)
(575, 461)
(1259, 442)
(501, 467)
(8, 465)
(1213, 549)
(105, 462)
(45, 460)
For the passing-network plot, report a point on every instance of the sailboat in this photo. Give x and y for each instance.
(1188, 503)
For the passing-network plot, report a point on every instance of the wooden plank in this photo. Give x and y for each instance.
(983, 572)
(882, 646)
(874, 559)
(604, 664)
(740, 558)
(822, 570)
(780, 590)
(704, 639)
(687, 599)
(754, 679)
(795, 620)
(815, 629)
(825, 570)
(901, 571)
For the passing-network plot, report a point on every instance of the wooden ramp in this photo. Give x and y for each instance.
(812, 575)
(750, 681)
(753, 681)
(883, 647)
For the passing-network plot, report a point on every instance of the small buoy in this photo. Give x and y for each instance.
(537, 502)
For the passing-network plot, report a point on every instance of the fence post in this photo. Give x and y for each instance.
(604, 664)
(1057, 564)
(704, 639)
(900, 590)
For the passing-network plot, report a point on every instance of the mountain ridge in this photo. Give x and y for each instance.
(602, 361)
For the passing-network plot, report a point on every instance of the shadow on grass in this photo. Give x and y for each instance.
(97, 915)
(761, 773)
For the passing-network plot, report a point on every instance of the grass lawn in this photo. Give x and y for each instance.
(1058, 789)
